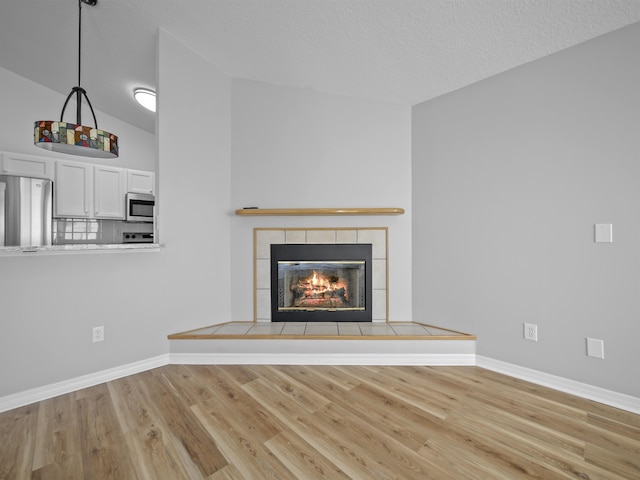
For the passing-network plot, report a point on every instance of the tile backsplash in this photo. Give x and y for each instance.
(68, 231)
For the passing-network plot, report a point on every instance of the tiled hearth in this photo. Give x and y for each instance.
(323, 330)
(323, 343)
(379, 342)
(265, 237)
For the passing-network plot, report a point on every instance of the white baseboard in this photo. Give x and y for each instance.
(597, 394)
(67, 386)
(321, 359)
(590, 392)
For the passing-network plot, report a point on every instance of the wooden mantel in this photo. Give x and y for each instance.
(318, 211)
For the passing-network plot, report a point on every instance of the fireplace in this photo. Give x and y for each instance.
(321, 283)
(264, 238)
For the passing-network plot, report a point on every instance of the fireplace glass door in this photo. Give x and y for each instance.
(308, 285)
(321, 282)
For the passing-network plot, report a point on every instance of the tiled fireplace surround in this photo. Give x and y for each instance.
(263, 238)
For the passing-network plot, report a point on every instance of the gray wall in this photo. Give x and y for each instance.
(509, 177)
(295, 148)
(49, 304)
(194, 137)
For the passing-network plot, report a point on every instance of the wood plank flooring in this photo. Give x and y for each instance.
(318, 422)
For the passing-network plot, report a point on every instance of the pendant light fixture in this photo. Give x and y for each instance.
(75, 138)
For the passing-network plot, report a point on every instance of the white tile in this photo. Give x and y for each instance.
(234, 328)
(346, 236)
(263, 299)
(378, 240)
(410, 329)
(264, 239)
(263, 273)
(440, 331)
(321, 236)
(296, 236)
(271, 328)
(204, 331)
(377, 329)
(321, 328)
(294, 328)
(379, 274)
(349, 328)
(379, 305)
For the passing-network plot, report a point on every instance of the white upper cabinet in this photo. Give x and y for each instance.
(73, 189)
(26, 165)
(81, 190)
(108, 192)
(89, 191)
(141, 182)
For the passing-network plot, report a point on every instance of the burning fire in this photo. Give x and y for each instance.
(321, 287)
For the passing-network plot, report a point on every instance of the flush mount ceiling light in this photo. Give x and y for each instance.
(146, 98)
(75, 138)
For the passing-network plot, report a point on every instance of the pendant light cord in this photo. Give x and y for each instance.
(78, 90)
(79, 40)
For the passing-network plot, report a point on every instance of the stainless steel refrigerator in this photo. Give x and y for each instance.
(25, 211)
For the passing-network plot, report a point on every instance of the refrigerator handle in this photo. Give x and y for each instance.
(3, 190)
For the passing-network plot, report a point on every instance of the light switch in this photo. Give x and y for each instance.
(604, 233)
(595, 347)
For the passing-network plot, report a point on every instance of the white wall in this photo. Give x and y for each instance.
(194, 138)
(49, 304)
(361, 153)
(509, 177)
(295, 148)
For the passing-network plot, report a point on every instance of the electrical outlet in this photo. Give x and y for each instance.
(98, 334)
(531, 332)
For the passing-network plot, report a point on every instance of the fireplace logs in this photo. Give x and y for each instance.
(320, 291)
(321, 282)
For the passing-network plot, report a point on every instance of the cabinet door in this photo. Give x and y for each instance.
(26, 165)
(73, 189)
(108, 194)
(139, 181)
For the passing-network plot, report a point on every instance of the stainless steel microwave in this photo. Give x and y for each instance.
(140, 207)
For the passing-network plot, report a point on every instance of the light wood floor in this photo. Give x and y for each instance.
(318, 422)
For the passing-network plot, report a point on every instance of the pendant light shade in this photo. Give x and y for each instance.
(75, 138)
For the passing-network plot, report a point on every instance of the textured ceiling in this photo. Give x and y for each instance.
(400, 51)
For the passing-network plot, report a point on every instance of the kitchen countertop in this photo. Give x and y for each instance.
(78, 248)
